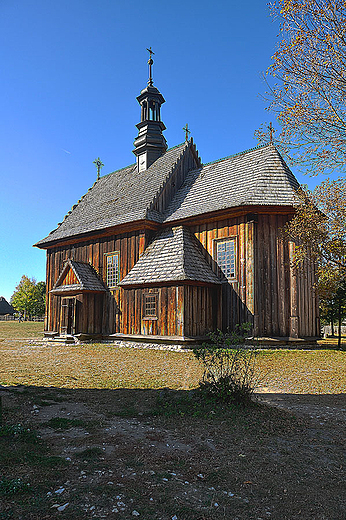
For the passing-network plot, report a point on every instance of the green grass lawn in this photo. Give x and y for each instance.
(25, 329)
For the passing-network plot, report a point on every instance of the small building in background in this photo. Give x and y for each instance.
(6, 310)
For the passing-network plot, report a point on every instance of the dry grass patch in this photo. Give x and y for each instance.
(103, 366)
(97, 366)
(113, 431)
(26, 329)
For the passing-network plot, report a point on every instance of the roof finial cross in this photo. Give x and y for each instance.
(99, 164)
(150, 63)
(271, 132)
(187, 132)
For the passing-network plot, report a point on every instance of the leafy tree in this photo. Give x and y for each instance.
(308, 85)
(319, 226)
(318, 230)
(29, 297)
(39, 303)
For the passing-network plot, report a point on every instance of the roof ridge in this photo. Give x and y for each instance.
(258, 147)
(176, 146)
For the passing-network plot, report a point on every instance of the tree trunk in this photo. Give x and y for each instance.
(332, 321)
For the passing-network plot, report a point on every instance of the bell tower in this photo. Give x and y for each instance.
(150, 143)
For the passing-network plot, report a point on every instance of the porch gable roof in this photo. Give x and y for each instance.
(85, 279)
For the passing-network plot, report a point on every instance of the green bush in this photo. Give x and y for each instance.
(230, 372)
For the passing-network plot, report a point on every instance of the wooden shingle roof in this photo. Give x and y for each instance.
(117, 198)
(84, 279)
(173, 256)
(258, 176)
(255, 177)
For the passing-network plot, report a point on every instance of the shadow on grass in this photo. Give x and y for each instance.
(243, 440)
(92, 408)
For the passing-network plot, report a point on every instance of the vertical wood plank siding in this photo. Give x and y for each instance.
(106, 317)
(266, 290)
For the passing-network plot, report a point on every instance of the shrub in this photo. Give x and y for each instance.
(230, 372)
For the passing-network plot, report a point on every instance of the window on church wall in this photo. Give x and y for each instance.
(112, 261)
(226, 257)
(150, 306)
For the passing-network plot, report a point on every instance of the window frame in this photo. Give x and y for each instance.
(234, 239)
(150, 316)
(106, 256)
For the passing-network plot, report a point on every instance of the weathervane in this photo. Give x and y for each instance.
(187, 132)
(99, 164)
(271, 132)
(150, 63)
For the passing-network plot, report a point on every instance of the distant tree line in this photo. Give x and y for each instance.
(29, 297)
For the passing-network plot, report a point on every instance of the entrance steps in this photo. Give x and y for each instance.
(54, 337)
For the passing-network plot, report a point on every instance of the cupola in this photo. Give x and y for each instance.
(150, 143)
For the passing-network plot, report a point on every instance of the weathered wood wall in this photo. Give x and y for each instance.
(308, 305)
(92, 251)
(201, 310)
(170, 317)
(183, 310)
(237, 297)
(69, 279)
(267, 291)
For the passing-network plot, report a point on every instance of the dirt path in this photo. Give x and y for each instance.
(122, 463)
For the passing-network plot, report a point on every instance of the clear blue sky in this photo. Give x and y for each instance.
(71, 71)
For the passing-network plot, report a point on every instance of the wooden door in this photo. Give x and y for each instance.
(68, 316)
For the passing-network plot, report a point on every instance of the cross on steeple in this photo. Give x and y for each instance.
(187, 132)
(150, 63)
(271, 132)
(99, 164)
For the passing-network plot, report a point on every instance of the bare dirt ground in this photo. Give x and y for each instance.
(154, 453)
(114, 461)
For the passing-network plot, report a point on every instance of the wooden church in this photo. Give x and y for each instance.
(170, 248)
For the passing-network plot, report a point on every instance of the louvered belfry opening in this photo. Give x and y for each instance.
(150, 143)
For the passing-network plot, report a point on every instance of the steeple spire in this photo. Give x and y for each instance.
(150, 143)
(150, 63)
